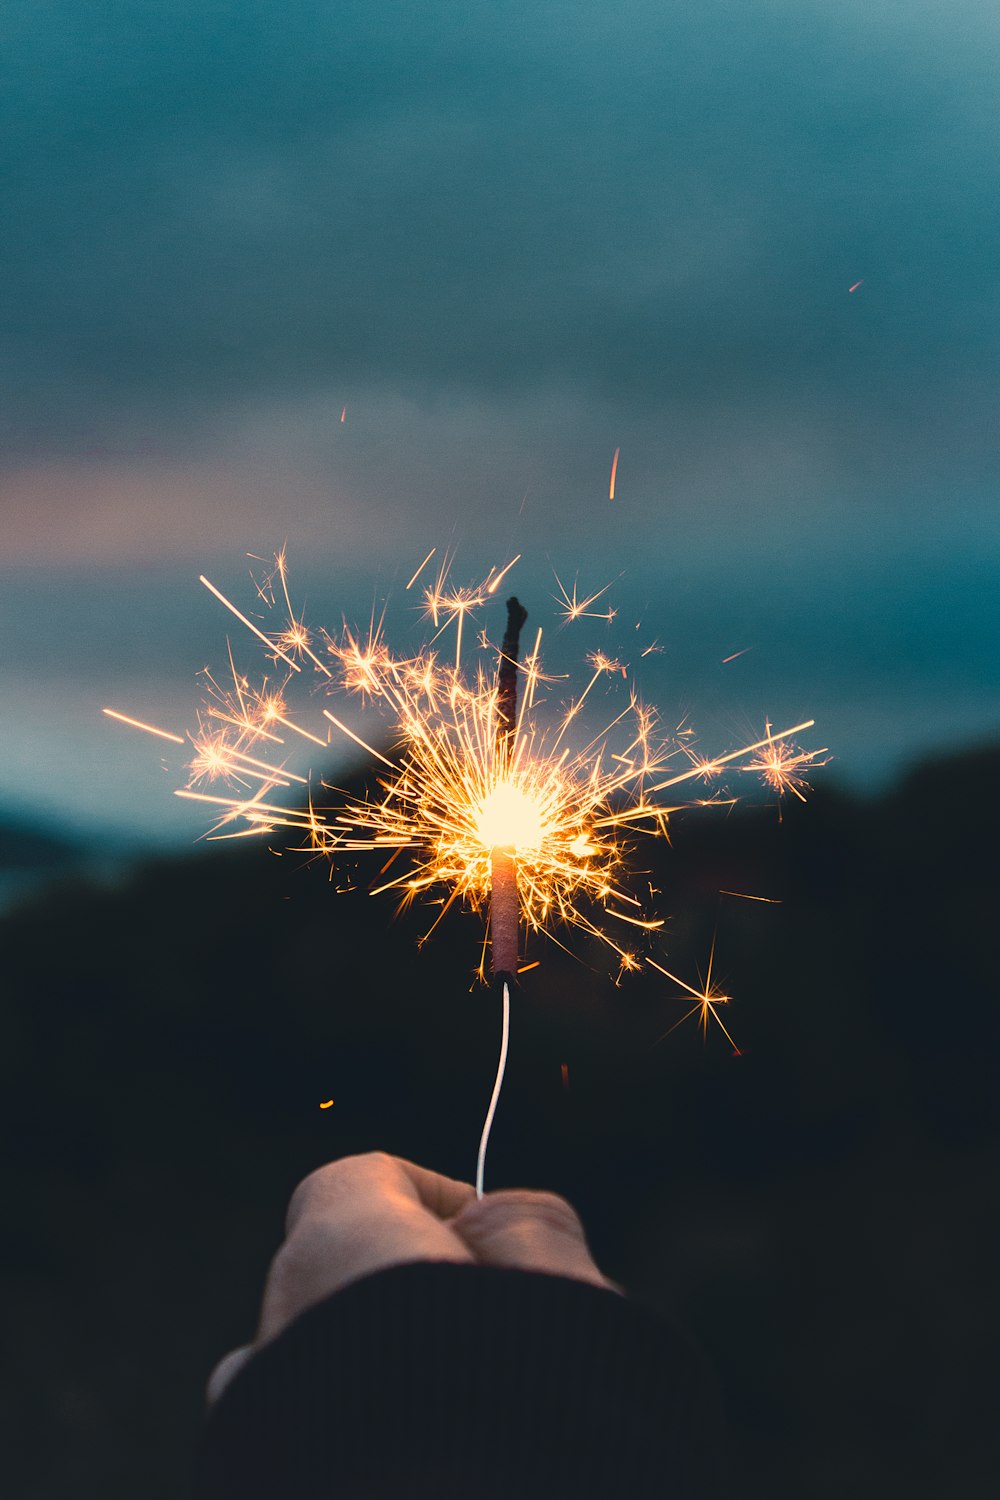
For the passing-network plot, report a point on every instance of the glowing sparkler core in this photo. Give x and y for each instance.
(508, 817)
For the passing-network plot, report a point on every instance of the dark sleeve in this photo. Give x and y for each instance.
(461, 1382)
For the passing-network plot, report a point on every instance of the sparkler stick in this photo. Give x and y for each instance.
(503, 873)
(503, 912)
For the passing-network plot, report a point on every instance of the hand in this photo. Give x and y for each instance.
(365, 1213)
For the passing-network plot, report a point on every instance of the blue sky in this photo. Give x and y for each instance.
(509, 239)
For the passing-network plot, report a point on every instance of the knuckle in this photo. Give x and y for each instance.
(554, 1212)
(374, 1163)
(329, 1180)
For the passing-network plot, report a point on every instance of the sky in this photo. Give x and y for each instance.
(501, 241)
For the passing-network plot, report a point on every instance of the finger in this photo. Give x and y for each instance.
(442, 1196)
(529, 1231)
(229, 1366)
(338, 1184)
(349, 1219)
(371, 1178)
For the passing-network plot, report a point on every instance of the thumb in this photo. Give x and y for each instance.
(528, 1231)
(230, 1364)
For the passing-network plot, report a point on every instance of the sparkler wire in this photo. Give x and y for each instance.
(497, 1086)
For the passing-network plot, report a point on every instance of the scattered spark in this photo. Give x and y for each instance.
(343, 415)
(164, 734)
(856, 285)
(326, 1103)
(421, 568)
(361, 660)
(601, 664)
(248, 623)
(455, 604)
(358, 740)
(502, 574)
(564, 1070)
(579, 609)
(526, 968)
(781, 765)
(706, 1001)
(216, 758)
(294, 639)
(743, 896)
(614, 471)
(736, 654)
(654, 650)
(713, 767)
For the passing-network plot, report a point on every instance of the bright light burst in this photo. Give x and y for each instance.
(781, 765)
(706, 1001)
(458, 783)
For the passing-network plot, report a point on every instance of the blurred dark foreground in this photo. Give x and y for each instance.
(817, 1210)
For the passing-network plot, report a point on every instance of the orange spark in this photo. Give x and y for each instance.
(164, 734)
(358, 740)
(782, 765)
(248, 623)
(343, 415)
(706, 1000)
(743, 896)
(722, 760)
(326, 1103)
(502, 574)
(579, 609)
(614, 471)
(421, 568)
(295, 637)
(856, 285)
(736, 654)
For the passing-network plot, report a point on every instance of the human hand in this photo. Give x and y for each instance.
(365, 1213)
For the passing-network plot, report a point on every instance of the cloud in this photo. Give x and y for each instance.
(636, 205)
(398, 475)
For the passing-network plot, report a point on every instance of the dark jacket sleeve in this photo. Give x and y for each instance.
(461, 1382)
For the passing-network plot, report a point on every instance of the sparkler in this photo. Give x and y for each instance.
(484, 799)
(503, 858)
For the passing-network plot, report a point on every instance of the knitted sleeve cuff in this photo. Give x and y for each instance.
(463, 1382)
